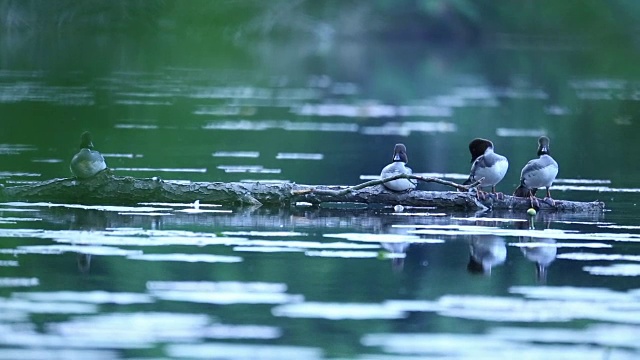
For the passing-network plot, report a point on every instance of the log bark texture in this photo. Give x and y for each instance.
(105, 188)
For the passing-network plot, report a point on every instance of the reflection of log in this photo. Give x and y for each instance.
(294, 218)
(106, 188)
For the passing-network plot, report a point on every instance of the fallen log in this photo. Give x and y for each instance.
(106, 188)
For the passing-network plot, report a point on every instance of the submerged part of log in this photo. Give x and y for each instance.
(106, 188)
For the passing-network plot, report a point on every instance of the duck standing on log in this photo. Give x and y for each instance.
(487, 164)
(87, 162)
(540, 172)
(398, 166)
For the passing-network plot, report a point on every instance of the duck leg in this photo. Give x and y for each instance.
(534, 201)
(499, 195)
(480, 195)
(548, 198)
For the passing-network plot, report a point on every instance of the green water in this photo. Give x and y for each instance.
(316, 283)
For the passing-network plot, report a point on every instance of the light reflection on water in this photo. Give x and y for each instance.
(242, 154)
(9, 174)
(136, 126)
(253, 169)
(176, 170)
(534, 133)
(391, 248)
(614, 270)
(508, 345)
(291, 238)
(299, 156)
(180, 280)
(598, 189)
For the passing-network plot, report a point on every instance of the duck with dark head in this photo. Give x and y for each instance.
(486, 165)
(398, 166)
(87, 162)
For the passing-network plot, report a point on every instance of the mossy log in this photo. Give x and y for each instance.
(106, 188)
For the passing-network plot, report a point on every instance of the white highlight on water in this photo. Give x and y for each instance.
(605, 189)
(47, 161)
(581, 181)
(207, 258)
(18, 282)
(382, 238)
(598, 257)
(185, 170)
(236, 351)
(299, 156)
(254, 169)
(338, 311)
(125, 156)
(237, 154)
(506, 132)
(615, 270)
(136, 126)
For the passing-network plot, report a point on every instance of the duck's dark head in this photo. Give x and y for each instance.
(400, 153)
(85, 140)
(478, 146)
(543, 146)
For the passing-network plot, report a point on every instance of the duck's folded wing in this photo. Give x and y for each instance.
(535, 165)
(410, 172)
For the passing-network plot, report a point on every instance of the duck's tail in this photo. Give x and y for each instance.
(474, 266)
(522, 191)
(467, 182)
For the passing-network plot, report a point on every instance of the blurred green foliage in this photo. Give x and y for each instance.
(461, 20)
(394, 51)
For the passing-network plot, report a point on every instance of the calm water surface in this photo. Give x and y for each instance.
(178, 281)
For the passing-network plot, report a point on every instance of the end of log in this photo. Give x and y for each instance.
(520, 203)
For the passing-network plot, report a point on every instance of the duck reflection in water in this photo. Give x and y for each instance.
(398, 253)
(543, 253)
(84, 262)
(87, 220)
(540, 251)
(397, 245)
(485, 252)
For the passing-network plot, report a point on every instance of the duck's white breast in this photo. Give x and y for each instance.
(396, 168)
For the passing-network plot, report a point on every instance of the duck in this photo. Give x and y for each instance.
(538, 173)
(87, 162)
(542, 254)
(486, 252)
(398, 166)
(487, 164)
